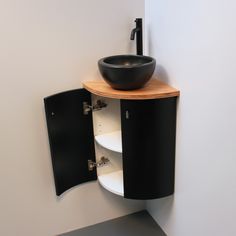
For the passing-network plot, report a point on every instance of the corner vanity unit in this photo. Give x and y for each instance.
(123, 139)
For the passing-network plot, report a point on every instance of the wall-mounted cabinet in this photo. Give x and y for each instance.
(135, 130)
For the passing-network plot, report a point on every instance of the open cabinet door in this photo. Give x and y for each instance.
(71, 138)
(148, 142)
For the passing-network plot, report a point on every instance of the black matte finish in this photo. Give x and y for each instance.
(148, 140)
(71, 138)
(139, 37)
(136, 224)
(127, 72)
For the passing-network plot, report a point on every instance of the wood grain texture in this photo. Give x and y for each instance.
(153, 89)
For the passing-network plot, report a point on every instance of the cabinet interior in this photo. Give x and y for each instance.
(107, 132)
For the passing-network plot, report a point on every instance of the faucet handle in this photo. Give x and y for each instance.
(138, 20)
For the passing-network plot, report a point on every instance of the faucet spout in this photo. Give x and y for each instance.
(133, 32)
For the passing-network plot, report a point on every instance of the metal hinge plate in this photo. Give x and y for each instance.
(98, 106)
(103, 161)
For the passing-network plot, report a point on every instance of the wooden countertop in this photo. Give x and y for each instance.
(154, 89)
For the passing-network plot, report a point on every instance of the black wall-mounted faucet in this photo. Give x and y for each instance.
(139, 35)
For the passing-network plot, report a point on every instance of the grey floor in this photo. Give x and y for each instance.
(137, 224)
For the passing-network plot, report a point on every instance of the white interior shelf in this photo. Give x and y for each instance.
(111, 141)
(113, 182)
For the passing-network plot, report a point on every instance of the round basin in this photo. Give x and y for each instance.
(127, 72)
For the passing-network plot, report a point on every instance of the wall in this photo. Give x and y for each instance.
(46, 47)
(194, 44)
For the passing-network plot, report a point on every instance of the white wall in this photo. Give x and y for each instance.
(49, 46)
(195, 43)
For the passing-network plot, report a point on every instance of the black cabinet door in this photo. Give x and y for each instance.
(148, 140)
(71, 138)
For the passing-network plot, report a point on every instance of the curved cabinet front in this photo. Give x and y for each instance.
(71, 138)
(148, 142)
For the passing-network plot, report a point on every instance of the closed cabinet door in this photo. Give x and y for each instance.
(148, 142)
(71, 138)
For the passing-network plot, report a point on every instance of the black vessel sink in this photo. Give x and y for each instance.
(127, 72)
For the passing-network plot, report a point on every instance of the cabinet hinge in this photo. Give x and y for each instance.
(103, 161)
(98, 106)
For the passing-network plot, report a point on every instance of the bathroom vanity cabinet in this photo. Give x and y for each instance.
(134, 130)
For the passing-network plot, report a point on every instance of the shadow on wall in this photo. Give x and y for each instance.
(160, 71)
(161, 207)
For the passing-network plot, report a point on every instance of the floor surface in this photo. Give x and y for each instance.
(137, 224)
